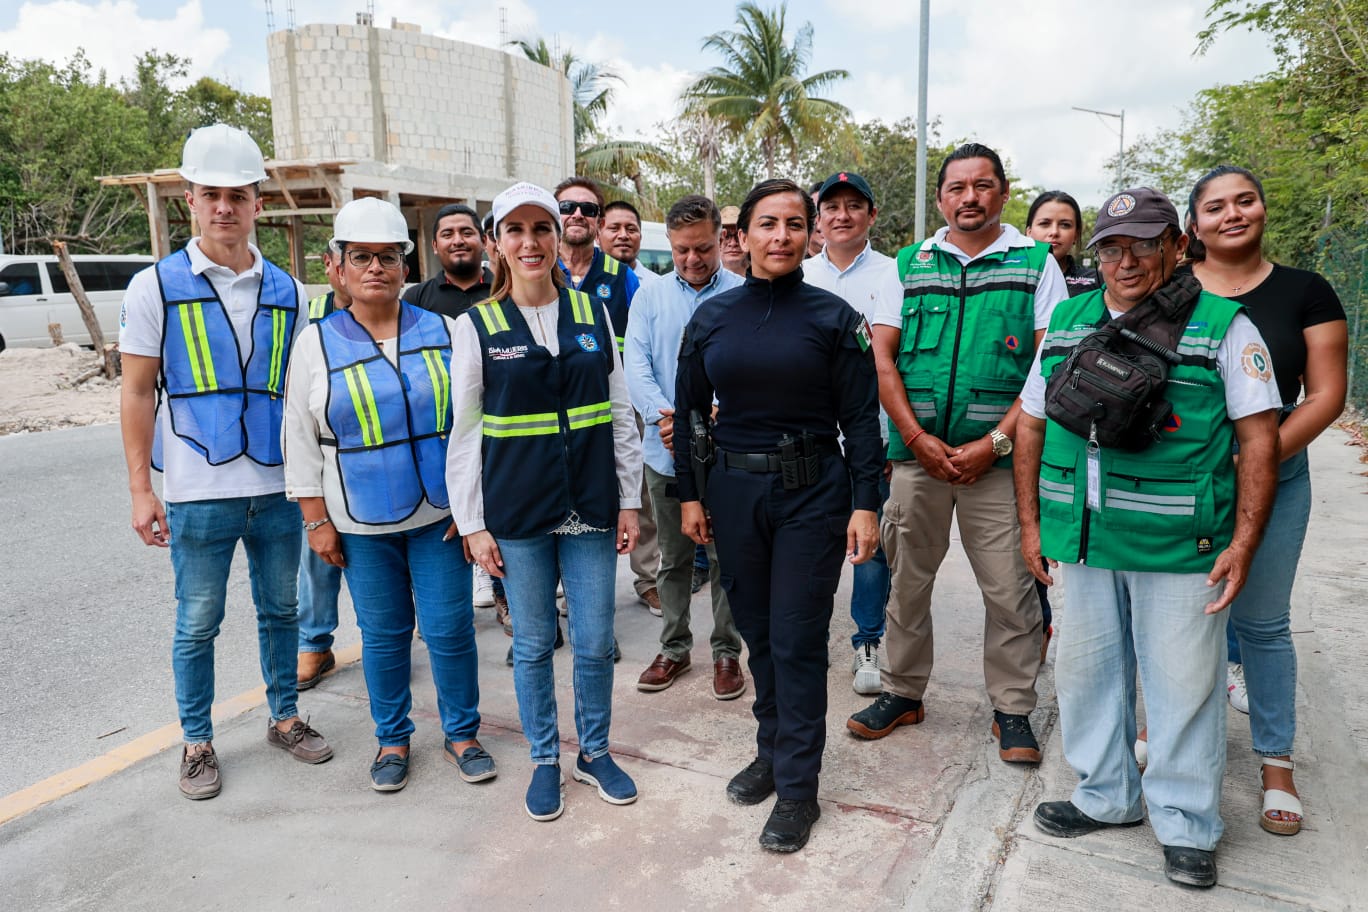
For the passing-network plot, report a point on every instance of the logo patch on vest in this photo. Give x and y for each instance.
(587, 342)
(1012, 343)
(1254, 360)
(604, 291)
(1174, 423)
(507, 354)
(924, 256)
(1204, 545)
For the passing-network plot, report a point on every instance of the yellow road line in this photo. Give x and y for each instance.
(16, 804)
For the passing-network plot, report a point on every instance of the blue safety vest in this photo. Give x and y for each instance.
(606, 284)
(220, 407)
(390, 422)
(548, 422)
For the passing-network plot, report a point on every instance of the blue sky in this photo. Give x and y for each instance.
(1003, 73)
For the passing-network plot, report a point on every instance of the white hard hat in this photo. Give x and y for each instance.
(525, 194)
(371, 221)
(222, 156)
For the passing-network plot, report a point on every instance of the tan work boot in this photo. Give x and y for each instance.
(313, 666)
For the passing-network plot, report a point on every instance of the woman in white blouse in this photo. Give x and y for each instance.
(367, 418)
(544, 472)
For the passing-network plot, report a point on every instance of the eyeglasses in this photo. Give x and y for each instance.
(590, 210)
(1114, 252)
(361, 259)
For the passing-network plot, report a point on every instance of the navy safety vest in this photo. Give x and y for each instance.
(220, 407)
(391, 422)
(606, 283)
(548, 422)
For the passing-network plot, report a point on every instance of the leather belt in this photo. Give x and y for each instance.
(752, 462)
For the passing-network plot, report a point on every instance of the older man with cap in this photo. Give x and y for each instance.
(848, 266)
(209, 328)
(1156, 530)
(733, 254)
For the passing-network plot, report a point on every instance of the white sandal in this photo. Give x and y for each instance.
(1281, 801)
(1141, 753)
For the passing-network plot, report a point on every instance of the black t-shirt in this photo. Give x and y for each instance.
(1282, 306)
(440, 296)
(1080, 279)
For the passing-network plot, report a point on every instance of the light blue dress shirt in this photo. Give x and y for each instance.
(655, 326)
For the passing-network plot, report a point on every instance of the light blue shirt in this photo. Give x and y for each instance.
(655, 327)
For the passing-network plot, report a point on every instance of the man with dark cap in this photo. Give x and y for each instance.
(1149, 535)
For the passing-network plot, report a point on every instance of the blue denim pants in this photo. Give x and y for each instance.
(869, 590)
(1118, 621)
(1259, 633)
(587, 566)
(395, 578)
(319, 584)
(204, 536)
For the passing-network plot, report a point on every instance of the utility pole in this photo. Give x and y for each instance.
(924, 47)
(1121, 151)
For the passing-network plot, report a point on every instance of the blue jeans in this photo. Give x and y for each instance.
(394, 578)
(1259, 631)
(1119, 621)
(869, 590)
(319, 583)
(587, 566)
(204, 536)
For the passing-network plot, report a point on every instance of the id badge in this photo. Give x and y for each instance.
(1094, 479)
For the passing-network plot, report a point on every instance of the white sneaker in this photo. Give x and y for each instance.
(562, 607)
(484, 589)
(865, 667)
(1235, 687)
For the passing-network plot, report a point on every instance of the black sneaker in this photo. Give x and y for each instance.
(886, 713)
(789, 824)
(753, 784)
(1016, 741)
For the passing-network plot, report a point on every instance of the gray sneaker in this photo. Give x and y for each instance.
(865, 667)
(199, 772)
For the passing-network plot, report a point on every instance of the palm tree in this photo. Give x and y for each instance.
(760, 91)
(705, 133)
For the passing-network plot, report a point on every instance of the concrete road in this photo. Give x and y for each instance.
(926, 819)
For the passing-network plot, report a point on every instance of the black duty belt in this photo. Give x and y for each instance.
(767, 462)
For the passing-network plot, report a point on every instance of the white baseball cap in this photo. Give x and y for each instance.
(525, 194)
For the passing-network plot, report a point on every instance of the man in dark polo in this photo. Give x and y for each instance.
(458, 242)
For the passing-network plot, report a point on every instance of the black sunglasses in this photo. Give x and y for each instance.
(590, 210)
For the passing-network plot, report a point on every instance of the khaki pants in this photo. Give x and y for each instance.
(645, 557)
(916, 536)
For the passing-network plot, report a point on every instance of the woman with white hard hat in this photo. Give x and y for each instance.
(367, 418)
(544, 471)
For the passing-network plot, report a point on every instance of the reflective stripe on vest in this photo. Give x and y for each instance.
(320, 306)
(220, 407)
(390, 423)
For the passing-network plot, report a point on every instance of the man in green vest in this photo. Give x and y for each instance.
(952, 355)
(1149, 537)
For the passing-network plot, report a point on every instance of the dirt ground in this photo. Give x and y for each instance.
(38, 390)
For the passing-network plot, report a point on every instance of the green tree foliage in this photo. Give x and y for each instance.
(761, 91)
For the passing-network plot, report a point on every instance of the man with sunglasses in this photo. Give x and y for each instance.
(1148, 538)
(612, 284)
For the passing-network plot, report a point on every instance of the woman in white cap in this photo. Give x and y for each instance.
(367, 418)
(544, 471)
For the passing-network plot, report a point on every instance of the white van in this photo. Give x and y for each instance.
(655, 248)
(34, 293)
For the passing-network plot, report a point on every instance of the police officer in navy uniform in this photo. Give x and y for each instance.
(791, 369)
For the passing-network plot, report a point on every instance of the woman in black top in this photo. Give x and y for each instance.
(1304, 327)
(791, 369)
(1055, 219)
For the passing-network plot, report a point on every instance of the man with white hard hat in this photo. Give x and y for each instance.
(205, 338)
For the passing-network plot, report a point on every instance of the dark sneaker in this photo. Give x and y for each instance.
(1016, 741)
(753, 784)
(501, 613)
(789, 824)
(614, 786)
(617, 653)
(1186, 865)
(303, 743)
(886, 713)
(1065, 820)
(390, 772)
(544, 801)
(474, 763)
(199, 772)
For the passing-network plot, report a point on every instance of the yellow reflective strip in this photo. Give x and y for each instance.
(363, 401)
(499, 316)
(584, 416)
(191, 347)
(441, 384)
(485, 314)
(316, 306)
(518, 419)
(544, 423)
(610, 265)
(205, 354)
(581, 423)
(277, 349)
(622, 344)
(580, 307)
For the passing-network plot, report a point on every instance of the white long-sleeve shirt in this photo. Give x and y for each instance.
(464, 469)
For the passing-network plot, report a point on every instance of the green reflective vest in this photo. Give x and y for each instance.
(968, 335)
(1167, 509)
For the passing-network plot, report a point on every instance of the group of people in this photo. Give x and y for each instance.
(767, 410)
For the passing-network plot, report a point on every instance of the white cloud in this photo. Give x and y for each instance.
(113, 35)
(877, 15)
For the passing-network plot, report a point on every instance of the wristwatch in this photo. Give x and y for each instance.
(310, 526)
(1002, 444)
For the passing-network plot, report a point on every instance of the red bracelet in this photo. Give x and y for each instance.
(908, 442)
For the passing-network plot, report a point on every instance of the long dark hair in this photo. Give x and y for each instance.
(1196, 250)
(1057, 196)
